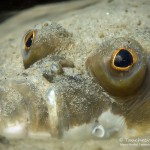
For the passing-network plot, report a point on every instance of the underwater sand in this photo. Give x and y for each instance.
(93, 20)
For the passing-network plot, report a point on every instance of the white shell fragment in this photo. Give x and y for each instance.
(107, 127)
(99, 131)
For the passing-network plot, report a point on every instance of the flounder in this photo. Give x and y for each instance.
(111, 97)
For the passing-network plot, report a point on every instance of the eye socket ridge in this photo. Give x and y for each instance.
(123, 59)
(29, 39)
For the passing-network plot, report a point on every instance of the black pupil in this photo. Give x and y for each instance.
(123, 59)
(29, 41)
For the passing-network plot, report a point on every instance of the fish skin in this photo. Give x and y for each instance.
(87, 40)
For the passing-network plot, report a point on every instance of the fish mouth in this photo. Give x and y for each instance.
(68, 103)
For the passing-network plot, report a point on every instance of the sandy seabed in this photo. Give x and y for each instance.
(90, 20)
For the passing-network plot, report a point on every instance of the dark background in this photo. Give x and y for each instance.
(9, 8)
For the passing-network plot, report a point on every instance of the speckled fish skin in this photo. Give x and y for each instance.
(117, 82)
(130, 89)
(67, 100)
(48, 39)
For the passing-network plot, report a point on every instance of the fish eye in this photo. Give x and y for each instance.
(123, 59)
(29, 38)
(119, 66)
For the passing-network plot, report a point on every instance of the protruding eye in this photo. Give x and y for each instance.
(119, 66)
(29, 38)
(123, 59)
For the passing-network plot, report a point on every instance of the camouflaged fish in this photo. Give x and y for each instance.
(95, 87)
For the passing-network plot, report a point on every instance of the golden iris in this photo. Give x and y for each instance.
(123, 59)
(29, 38)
